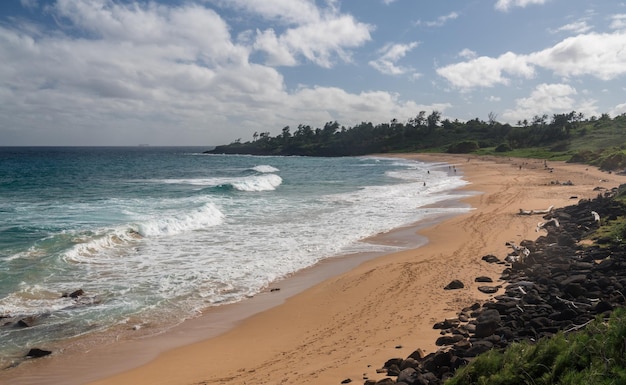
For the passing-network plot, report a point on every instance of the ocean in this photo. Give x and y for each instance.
(155, 235)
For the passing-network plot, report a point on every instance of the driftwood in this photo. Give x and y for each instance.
(533, 212)
(542, 225)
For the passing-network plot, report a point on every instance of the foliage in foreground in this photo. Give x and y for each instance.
(594, 355)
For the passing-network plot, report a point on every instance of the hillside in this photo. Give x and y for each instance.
(571, 136)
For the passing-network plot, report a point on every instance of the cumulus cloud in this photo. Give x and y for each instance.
(390, 54)
(304, 30)
(549, 99)
(486, 72)
(317, 41)
(506, 5)
(600, 55)
(124, 73)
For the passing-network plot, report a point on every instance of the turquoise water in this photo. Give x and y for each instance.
(155, 235)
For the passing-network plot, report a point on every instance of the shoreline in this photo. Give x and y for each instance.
(349, 324)
(80, 363)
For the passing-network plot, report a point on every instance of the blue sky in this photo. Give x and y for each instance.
(205, 72)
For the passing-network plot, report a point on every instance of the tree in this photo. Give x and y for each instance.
(433, 120)
(492, 118)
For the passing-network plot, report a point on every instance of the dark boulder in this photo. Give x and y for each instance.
(487, 323)
(408, 376)
(488, 289)
(449, 340)
(454, 285)
(38, 353)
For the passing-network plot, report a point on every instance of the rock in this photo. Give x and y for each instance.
(491, 259)
(487, 323)
(483, 279)
(449, 340)
(393, 361)
(603, 306)
(454, 285)
(75, 294)
(408, 375)
(417, 355)
(409, 363)
(386, 381)
(346, 381)
(446, 324)
(393, 370)
(478, 347)
(26, 322)
(38, 353)
(434, 361)
(488, 289)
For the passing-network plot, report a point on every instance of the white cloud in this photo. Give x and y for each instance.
(391, 53)
(549, 99)
(142, 72)
(30, 4)
(440, 21)
(618, 110)
(468, 54)
(505, 5)
(494, 98)
(304, 30)
(286, 11)
(319, 42)
(576, 27)
(600, 55)
(618, 22)
(486, 72)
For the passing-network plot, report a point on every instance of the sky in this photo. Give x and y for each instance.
(209, 72)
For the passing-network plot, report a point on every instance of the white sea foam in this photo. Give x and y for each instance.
(92, 247)
(32, 300)
(264, 168)
(206, 216)
(266, 182)
(263, 182)
(207, 182)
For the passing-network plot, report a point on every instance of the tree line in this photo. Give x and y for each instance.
(416, 134)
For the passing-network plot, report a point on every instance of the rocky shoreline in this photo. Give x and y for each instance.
(550, 285)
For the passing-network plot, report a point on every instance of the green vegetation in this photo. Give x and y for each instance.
(597, 141)
(594, 355)
(612, 232)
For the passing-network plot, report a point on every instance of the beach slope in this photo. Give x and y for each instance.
(349, 325)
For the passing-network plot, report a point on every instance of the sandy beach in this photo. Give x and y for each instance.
(348, 325)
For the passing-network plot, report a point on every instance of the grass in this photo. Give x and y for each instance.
(594, 355)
